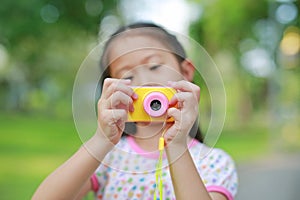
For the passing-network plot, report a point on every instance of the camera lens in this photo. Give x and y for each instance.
(155, 105)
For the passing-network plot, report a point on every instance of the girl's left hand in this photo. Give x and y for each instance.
(185, 114)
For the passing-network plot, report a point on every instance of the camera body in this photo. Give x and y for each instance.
(152, 104)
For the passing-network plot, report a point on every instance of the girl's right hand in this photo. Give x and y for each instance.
(113, 106)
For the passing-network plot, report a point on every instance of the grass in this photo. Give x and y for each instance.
(32, 146)
(247, 144)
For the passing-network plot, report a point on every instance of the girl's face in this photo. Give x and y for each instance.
(143, 60)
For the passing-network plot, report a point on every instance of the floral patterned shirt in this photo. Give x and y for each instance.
(128, 172)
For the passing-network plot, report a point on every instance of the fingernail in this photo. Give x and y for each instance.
(172, 102)
(134, 96)
(131, 108)
(127, 81)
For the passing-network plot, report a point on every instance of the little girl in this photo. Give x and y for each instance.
(120, 162)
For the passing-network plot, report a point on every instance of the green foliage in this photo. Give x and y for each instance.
(46, 41)
(225, 23)
(31, 147)
(222, 29)
(22, 18)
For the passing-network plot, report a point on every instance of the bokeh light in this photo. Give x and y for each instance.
(286, 13)
(93, 7)
(108, 25)
(258, 62)
(290, 44)
(49, 13)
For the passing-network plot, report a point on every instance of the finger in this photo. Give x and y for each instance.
(114, 117)
(175, 113)
(119, 117)
(109, 81)
(120, 100)
(175, 128)
(112, 124)
(181, 97)
(111, 85)
(181, 116)
(186, 86)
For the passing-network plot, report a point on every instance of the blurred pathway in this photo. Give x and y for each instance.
(275, 178)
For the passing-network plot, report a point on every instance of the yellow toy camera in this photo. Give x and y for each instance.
(152, 104)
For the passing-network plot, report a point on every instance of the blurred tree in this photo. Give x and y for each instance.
(45, 40)
(228, 29)
(32, 18)
(220, 29)
(224, 24)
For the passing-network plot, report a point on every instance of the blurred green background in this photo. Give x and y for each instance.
(256, 46)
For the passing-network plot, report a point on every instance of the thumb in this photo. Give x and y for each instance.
(175, 128)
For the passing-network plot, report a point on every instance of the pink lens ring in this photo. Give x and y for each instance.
(156, 104)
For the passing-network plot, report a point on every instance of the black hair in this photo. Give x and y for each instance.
(169, 41)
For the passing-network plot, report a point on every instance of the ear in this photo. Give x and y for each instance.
(188, 70)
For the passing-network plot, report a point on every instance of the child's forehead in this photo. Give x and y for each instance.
(135, 43)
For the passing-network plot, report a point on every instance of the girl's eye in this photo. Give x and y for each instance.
(128, 77)
(154, 67)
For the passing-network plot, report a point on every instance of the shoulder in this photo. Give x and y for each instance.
(201, 151)
(216, 168)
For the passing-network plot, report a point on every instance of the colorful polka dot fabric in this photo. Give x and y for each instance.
(128, 172)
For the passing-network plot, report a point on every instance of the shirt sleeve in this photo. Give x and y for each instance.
(99, 178)
(95, 183)
(219, 173)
